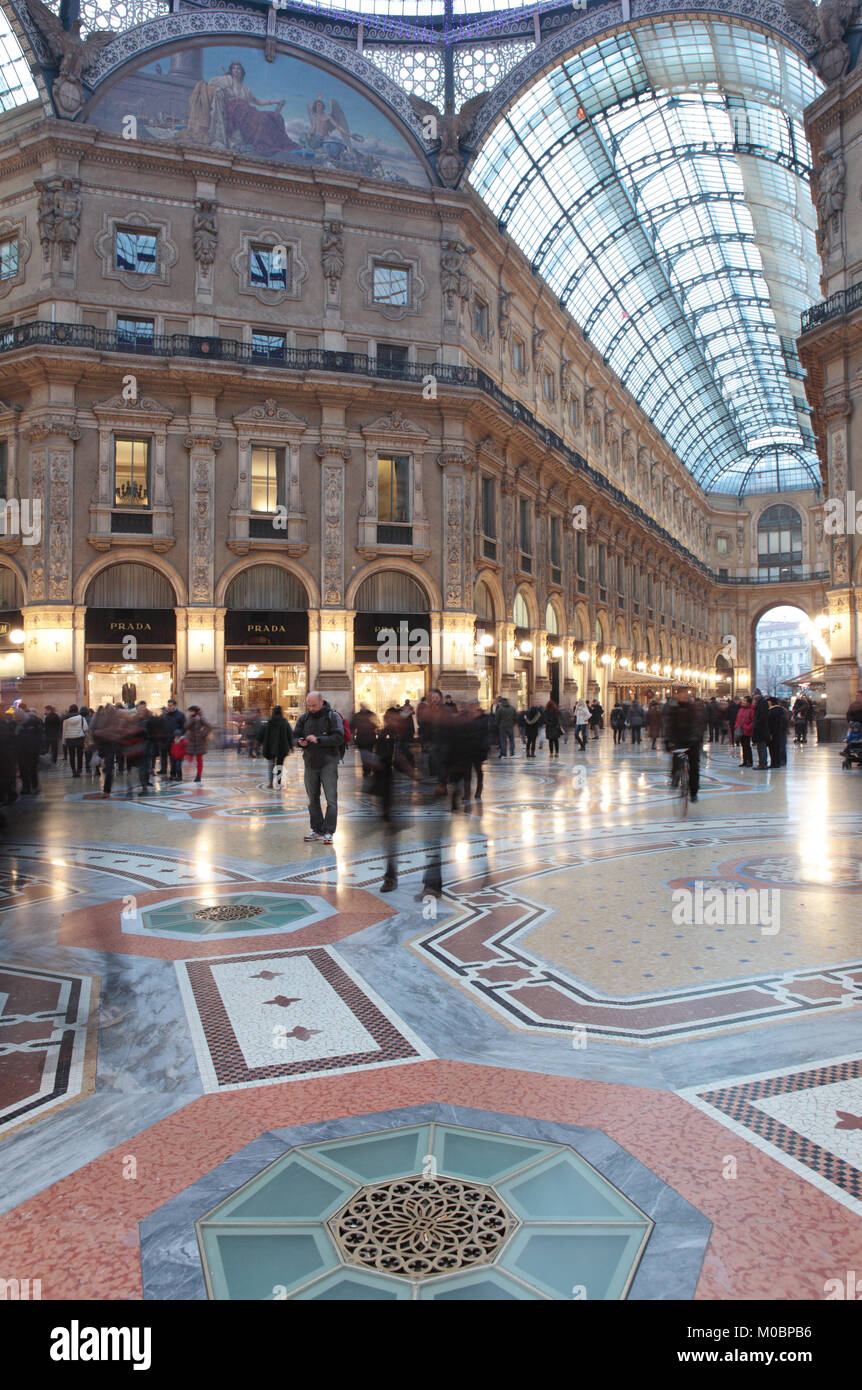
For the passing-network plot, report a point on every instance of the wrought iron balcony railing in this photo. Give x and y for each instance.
(842, 302)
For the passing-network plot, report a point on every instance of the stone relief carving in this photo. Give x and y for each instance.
(73, 54)
(455, 282)
(205, 231)
(333, 535)
(60, 543)
(830, 197)
(825, 25)
(332, 253)
(59, 212)
(504, 317)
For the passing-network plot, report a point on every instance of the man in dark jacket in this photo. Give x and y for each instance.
(53, 726)
(760, 733)
(779, 721)
(320, 734)
(476, 747)
(173, 722)
(685, 725)
(28, 745)
(363, 726)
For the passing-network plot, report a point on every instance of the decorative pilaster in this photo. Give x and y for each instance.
(333, 454)
(837, 412)
(202, 447)
(52, 441)
(457, 464)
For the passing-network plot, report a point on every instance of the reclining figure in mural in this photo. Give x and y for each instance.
(226, 114)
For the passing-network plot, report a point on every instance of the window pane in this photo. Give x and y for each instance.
(393, 484)
(269, 345)
(9, 259)
(264, 479)
(135, 330)
(130, 473)
(136, 251)
(391, 285)
(268, 266)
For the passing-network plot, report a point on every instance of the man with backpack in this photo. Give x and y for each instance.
(320, 733)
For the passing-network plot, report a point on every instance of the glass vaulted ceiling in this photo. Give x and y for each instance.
(657, 179)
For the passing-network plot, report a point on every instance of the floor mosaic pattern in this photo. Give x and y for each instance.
(526, 1088)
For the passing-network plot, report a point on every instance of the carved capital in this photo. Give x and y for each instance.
(328, 448)
(199, 439)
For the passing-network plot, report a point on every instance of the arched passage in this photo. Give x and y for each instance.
(130, 634)
(782, 649)
(391, 640)
(266, 640)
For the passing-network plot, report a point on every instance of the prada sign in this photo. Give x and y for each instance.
(253, 628)
(149, 626)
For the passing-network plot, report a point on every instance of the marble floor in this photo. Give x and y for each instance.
(620, 1057)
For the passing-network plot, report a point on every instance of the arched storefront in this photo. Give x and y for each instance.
(555, 652)
(391, 641)
(523, 650)
(266, 642)
(486, 654)
(130, 637)
(11, 635)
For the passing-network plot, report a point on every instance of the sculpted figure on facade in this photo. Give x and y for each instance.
(59, 211)
(504, 318)
(72, 53)
(825, 24)
(205, 231)
(455, 283)
(332, 252)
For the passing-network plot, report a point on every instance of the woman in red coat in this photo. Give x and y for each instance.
(744, 729)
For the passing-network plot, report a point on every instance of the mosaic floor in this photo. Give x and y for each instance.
(620, 1057)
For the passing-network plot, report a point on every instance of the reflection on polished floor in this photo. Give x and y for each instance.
(619, 1058)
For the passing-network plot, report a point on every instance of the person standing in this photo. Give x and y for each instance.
(654, 722)
(504, 718)
(779, 721)
(532, 723)
(74, 733)
(109, 738)
(618, 723)
(553, 728)
(53, 726)
(582, 720)
(744, 729)
(197, 732)
(597, 720)
(760, 731)
(174, 721)
(637, 717)
(685, 731)
(319, 733)
(733, 708)
(478, 746)
(363, 724)
(28, 744)
(276, 743)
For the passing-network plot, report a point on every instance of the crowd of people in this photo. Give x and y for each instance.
(130, 740)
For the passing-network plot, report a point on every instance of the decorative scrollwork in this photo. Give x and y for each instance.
(227, 913)
(420, 1226)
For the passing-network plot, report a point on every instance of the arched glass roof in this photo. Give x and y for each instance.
(658, 180)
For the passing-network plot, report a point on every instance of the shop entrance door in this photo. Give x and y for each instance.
(381, 686)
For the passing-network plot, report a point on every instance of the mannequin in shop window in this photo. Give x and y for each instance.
(130, 692)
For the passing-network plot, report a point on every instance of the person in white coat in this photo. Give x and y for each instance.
(74, 732)
(582, 719)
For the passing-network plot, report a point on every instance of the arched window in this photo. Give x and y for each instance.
(129, 586)
(551, 624)
(779, 543)
(520, 612)
(599, 636)
(390, 591)
(483, 603)
(266, 588)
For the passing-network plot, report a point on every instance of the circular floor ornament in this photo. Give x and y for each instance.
(420, 1226)
(227, 912)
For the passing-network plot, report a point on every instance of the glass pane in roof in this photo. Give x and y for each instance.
(661, 262)
(16, 81)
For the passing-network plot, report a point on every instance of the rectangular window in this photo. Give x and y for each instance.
(480, 318)
(266, 475)
(135, 332)
(268, 267)
(518, 355)
(525, 528)
(721, 545)
(9, 258)
(580, 552)
(575, 413)
(555, 542)
(390, 285)
(268, 347)
(489, 508)
(391, 356)
(131, 473)
(393, 489)
(136, 251)
(725, 623)
(548, 386)
(602, 566)
(620, 575)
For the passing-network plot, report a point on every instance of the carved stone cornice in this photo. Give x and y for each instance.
(200, 439)
(456, 456)
(328, 448)
(39, 429)
(145, 408)
(395, 423)
(270, 413)
(836, 407)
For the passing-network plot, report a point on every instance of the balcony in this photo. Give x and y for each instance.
(788, 574)
(229, 351)
(842, 302)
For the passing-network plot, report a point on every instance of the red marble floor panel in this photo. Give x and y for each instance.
(775, 1236)
(99, 928)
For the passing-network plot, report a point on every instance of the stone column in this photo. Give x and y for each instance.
(202, 683)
